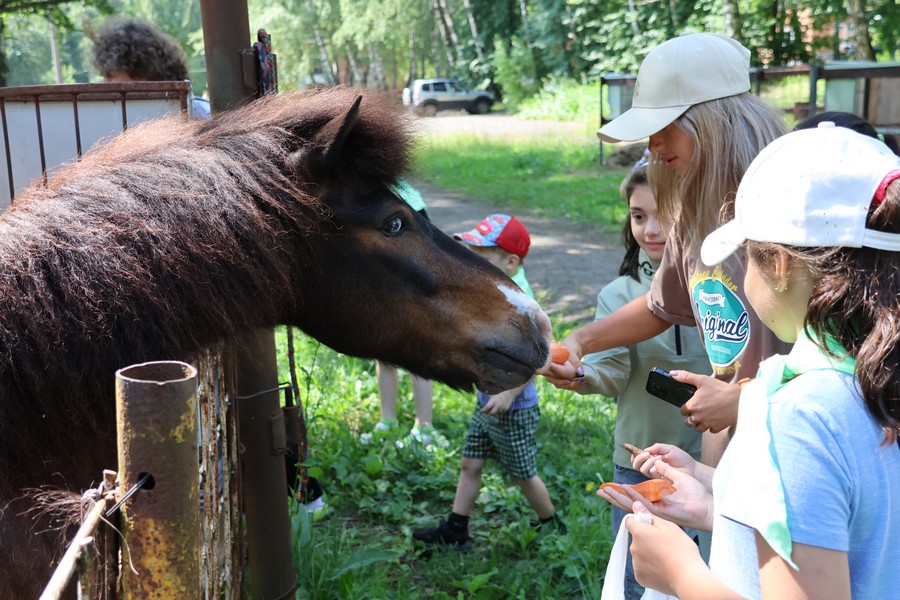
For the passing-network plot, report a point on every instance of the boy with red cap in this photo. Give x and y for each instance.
(504, 425)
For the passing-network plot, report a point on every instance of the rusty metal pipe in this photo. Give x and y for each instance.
(156, 421)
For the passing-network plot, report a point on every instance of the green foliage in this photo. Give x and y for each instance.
(382, 43)
(514, 71)
(553, 179)
(563, 100)
(361, 547)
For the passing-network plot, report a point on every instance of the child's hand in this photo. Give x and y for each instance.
(645, 460)
(689, 506)
(500, 403)
(661, 552)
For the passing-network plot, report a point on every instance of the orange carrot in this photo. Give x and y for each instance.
(558, 354)
(632, 448)
(653, 490)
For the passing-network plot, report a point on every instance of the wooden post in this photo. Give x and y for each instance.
(229, 63)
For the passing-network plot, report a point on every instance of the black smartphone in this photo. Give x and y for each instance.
(661, 385)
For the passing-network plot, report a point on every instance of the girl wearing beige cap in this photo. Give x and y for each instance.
(692, 99)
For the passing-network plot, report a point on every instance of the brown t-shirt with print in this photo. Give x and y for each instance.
(684, 291)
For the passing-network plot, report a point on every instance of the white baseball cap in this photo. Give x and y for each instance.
(679, 73)
(812, 187)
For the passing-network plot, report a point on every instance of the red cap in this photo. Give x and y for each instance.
(503, 231)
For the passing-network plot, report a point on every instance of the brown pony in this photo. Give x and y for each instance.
(180, 233)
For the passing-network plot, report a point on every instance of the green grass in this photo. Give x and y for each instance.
(378, 493)
(553, 179)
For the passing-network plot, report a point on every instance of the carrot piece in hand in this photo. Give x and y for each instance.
(653, 490)
(632, 448)
(558, 354)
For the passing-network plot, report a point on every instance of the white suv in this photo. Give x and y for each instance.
(431, 95)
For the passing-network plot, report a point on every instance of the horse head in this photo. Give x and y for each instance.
(392, 286)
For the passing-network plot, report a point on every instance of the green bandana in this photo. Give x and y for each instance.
(754, 426)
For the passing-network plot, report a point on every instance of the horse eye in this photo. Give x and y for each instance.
(393, 227)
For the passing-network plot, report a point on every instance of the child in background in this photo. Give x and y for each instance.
(389, 376)
(806, 493)
(128, 49)
(504, 425)
(641, 418)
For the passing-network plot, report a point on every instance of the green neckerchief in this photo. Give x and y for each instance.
(754, 422)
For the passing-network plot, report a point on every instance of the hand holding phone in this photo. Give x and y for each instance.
(661, 385)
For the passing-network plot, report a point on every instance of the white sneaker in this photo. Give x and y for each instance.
(366, 438)
(316, 505)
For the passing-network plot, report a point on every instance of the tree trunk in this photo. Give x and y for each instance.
(54, 52)
(451, 29)
(526, 29)
(445, 35)
(4, 66)
(413, 66)
(859, 30)
(733, 23)
(633, 17)
(473, 27)
(329, 68)
(356, 77)
(376, 68)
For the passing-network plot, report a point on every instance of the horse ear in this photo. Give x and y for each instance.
(327, 143)
(331, 137)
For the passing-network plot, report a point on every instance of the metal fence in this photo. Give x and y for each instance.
(866, 89)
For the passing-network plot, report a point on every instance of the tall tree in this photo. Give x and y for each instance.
(859, 30)
(733, 22)
(52, 10)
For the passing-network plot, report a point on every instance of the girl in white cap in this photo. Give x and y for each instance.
(807, 494)
(692, 99)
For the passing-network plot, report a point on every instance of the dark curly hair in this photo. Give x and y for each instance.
(138, 49)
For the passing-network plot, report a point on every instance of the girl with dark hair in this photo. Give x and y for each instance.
(807, 490)
(621, 373)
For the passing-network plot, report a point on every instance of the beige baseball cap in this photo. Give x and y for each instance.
(686, 70)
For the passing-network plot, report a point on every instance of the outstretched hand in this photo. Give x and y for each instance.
(566, 375)
(690, 506)
(713, 407)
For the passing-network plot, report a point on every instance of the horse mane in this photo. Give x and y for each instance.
(167, 238)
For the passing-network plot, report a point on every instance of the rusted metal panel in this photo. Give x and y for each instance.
(156, 419)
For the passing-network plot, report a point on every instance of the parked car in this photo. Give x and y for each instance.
(431, 95)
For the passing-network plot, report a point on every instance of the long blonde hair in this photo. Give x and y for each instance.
(728, 133)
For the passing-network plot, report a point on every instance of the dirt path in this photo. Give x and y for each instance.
(567, 264)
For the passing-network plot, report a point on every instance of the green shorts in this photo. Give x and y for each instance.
(508, 438)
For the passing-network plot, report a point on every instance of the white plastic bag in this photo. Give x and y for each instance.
(614, 583)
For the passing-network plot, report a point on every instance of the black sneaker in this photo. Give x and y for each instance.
(554, 525)
(443, 535)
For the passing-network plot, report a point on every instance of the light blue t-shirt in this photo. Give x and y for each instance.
(841, 485)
